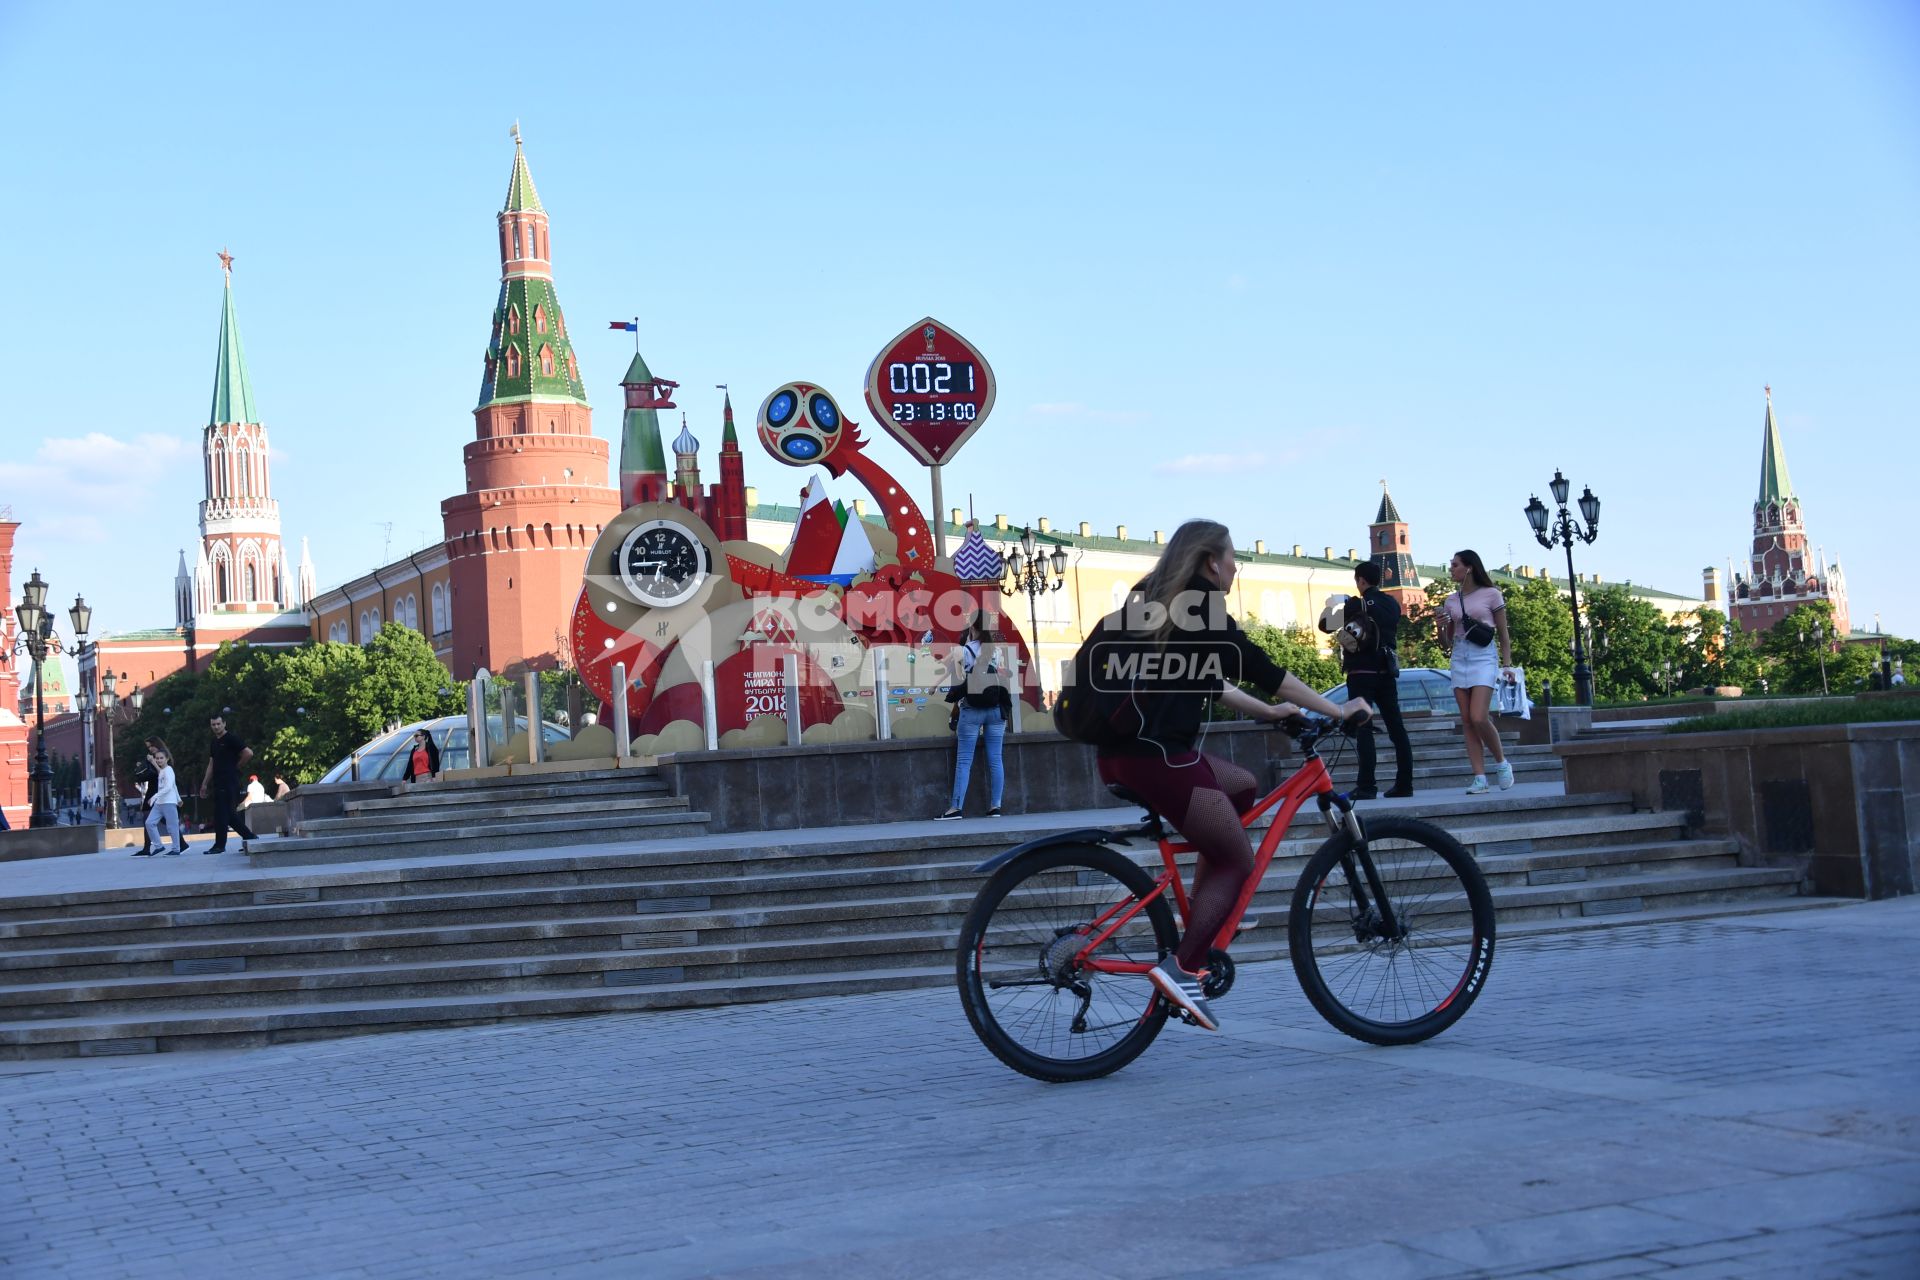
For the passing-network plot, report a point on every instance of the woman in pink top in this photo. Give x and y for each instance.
(1475, 670)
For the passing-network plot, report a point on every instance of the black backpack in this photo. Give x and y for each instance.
(1086, 714)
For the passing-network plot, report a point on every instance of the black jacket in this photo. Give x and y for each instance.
(1384, 611)
(1168, 711)
(433, 759)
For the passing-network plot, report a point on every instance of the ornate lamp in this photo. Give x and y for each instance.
(1537, 517)
(1589, 507)
(1559, 485)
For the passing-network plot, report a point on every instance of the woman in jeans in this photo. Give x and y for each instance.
(163, 819)
(985, 705)
(1476, 668)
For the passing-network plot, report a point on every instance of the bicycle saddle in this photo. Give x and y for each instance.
(1151, 823)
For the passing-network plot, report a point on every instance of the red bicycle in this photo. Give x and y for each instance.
(1390, 931)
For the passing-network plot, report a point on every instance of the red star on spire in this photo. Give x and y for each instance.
(226, 262)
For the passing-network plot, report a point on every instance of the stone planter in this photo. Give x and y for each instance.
(1842, 801)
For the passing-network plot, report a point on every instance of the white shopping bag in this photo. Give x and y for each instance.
(1510, 694)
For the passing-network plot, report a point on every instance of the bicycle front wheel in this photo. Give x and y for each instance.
(1404, 969)
(1028, 1001)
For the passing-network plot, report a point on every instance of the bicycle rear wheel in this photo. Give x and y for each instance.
(1409, 981)
(1028, 1002)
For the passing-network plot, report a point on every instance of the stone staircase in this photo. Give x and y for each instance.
(486, 815)
(591, 806)
(697, 921)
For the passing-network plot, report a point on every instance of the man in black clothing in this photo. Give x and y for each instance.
(1372, 672)
(226, 757)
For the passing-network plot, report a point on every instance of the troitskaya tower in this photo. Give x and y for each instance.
(537, 492)
(1782, 570)
(241, 567)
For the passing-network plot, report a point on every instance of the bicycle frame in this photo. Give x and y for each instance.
(1311, 781)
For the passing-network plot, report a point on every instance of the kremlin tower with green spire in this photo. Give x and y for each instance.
(536, 476)
(1783, 574)
(241, 567)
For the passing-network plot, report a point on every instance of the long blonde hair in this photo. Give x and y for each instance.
(1191, 545)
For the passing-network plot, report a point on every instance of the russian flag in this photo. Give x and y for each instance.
(629, 325)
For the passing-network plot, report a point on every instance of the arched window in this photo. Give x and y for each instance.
(573, 367)
(413, 612)
(366, 627)
(220, 593)
(513, 362)
(513, 319)
(253, 583)
(439, 607)
(540, 318)
(516, 239)
(546, 361)
(559, 324)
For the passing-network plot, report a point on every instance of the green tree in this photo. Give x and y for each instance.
(1632, 644)
(1715, 653)
(1418, 639)
(403, 682)
(1298, 650)
(1541, 626)
(1793, 664)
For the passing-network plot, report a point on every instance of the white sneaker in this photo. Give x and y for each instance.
(1479, 785)
(1183, 991)
(1505, 778)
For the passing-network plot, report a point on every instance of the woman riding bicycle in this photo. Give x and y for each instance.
(1178, 612)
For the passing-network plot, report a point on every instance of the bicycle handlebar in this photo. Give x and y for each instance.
(1307, 728)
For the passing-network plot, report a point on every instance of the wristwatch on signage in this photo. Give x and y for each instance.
(662, 562)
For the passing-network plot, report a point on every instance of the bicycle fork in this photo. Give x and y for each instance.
(1373, 911)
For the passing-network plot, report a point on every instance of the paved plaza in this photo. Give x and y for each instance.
(1728, 1098)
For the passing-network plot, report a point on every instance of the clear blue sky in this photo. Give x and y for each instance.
(1239, 264)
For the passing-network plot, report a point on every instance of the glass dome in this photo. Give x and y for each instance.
(384, 759)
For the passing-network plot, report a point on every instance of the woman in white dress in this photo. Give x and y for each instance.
(1476, 608)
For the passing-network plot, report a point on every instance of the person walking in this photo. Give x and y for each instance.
(982, 707)
(1373, 672)
(423, 759)
(227, 755)
(147, 778)
(1471, 620)
(163, 819)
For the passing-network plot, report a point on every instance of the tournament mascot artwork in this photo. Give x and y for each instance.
(664, 595)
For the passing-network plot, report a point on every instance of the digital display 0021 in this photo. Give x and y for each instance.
(931, 390)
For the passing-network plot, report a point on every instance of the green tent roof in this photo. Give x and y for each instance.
(1775, 484)
(232, 392)
(520, 192)
(1389, 514)
(637, 372)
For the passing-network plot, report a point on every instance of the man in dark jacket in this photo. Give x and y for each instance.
(1372, 673)
(227, 755)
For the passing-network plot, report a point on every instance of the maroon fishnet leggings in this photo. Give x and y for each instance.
(1203, 797)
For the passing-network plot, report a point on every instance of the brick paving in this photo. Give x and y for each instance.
(1737, 1098)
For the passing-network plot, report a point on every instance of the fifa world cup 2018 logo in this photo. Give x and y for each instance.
(929, 333)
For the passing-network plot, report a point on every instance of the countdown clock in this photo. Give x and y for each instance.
(662, 562)
(931, 389)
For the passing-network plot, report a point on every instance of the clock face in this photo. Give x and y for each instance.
(662, 563)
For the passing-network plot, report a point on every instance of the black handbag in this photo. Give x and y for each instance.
(1476, 632)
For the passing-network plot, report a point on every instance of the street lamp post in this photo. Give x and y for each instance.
(81, 616)
(1027, 572)
(36, 633)
(1820, 644)
(109, 702)
(1550, 530)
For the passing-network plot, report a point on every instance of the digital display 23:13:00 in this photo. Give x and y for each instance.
(948, 384)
